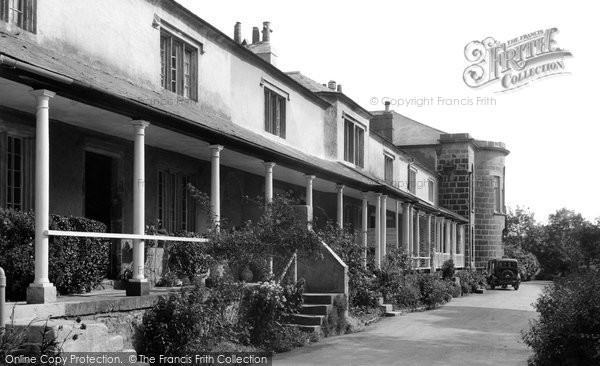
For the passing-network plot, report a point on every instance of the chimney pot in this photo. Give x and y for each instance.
(331, 84)
(387, 105)
(339, 88)
(266, 32)
(237, 33)
(255, 35)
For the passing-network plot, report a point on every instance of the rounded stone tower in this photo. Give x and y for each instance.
(490, 210)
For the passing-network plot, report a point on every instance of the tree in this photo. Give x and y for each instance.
(521, 234)
(589, 243)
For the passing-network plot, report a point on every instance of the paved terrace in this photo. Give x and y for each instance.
(95, 302)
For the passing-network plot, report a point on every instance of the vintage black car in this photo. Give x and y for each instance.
(503, 272)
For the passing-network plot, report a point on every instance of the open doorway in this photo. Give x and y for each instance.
(98, 187)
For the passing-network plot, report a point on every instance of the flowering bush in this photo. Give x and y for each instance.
(265, 307)
(202, 317)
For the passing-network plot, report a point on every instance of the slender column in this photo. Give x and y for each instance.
(447, 241)
(340, 205)
(461, 239)
(138, 285)
(406, 227)
(454, 233)
(365, 223)
(417, 236)
(378, 230)
(397, 222)
(442, 229)
(411, 230)
(268, 181)
(41, 290)
(383, 240)
(2, 302)
(428, 238)
(439, 244)
(215, 183)
(309, 189)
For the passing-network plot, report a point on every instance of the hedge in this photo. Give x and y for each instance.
(76, 265)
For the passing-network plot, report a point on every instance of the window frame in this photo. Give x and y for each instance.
(354, 152)
(26, 168)
(173, 75)
(11, 172)
(275, 110)
(412, 183)
(27, 19)
(175, 209)
(388, 168)
(496, 182)
(431, 190)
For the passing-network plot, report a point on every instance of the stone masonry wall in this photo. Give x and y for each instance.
(489, 223)
(455, 158)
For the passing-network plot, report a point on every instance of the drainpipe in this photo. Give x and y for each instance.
(2, 301)
(15, 64)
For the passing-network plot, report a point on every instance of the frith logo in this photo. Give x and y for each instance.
(514, 63)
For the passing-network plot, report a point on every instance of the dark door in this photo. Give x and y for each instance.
(98, 182)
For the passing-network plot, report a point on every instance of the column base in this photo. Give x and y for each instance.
(41, 293)
(137, 288)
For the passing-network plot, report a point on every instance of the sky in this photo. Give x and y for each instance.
(403, 50)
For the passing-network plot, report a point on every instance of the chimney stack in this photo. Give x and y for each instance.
(266, 32)
(255, 35)
(237, 33)
(331, 85)
(387, 105)
(339, 88)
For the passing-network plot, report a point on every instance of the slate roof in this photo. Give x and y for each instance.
(72, 73)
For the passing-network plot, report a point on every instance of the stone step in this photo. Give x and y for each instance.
(386, 307)
(302, 319)
(392, 313)
(319, 299)
(309, 309)
(316, 329)
(84, 336)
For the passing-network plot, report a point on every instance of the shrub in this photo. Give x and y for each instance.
(363, 290)
(194, 320)
(568, 329)
(188, 259)
(448, 269)
(336, 323)
(277, 233)
(265, 307)
(362, 282)
(409, 293)
(434, 290)
(471, 280)
(223, 316)
(76, 264)
(465, 281)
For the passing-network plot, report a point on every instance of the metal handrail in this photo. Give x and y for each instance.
(87, 234)
(294, 259)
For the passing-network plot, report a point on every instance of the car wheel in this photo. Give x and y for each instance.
(516, 287)
(504, 287)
